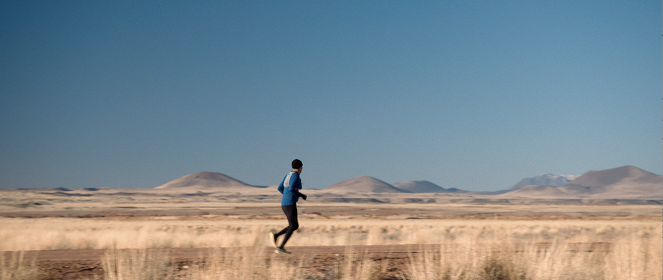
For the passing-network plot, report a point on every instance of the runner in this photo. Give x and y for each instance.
(289, 187)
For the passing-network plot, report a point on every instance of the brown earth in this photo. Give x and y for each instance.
(319, 262)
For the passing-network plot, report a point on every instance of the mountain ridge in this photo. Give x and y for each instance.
(425, 187)
(621, 182)
(547, 179)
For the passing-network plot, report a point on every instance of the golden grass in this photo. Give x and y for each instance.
(68, 233)
(243, 263)
(235, 263)
(466, 259)
(467, 249)
(136, 264)
(628, 259)
(17, 268)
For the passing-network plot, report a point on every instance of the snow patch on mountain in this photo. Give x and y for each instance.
(545, 179)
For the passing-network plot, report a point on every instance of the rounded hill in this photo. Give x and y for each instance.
(364, 184)
(204, 180)
(625, 181)
(624, 174)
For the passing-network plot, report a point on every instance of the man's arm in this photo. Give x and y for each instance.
(296, 191)
(281, 187)
(298, 186)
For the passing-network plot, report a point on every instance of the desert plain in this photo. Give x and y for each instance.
(202, 233)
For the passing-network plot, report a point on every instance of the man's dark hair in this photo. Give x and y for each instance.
(296, 164)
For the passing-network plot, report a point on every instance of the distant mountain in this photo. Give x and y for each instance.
(364, 184)
(204, 180)
(424, 187)
(621, 182)
(419, 187)
(549, 191)
(545, 179)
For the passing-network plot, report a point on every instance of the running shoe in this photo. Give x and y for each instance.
(281, 251)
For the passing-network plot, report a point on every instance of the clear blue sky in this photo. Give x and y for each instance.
(467, 94)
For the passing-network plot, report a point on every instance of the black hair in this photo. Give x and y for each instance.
(296, 164)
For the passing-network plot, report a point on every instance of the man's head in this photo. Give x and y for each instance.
(297, 165)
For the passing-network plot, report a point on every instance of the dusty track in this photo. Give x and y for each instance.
(85, 264)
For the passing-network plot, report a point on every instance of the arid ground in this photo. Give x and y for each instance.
(112, 233)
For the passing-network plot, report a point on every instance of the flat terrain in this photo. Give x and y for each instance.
(318, 260)
(265, 204)
(68, 232)
(84, 264)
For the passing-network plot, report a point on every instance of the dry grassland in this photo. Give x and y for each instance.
(462, 259)
(69, 234)
(465, 240)
(468, 249)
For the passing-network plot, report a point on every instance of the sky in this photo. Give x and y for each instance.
(474, 95)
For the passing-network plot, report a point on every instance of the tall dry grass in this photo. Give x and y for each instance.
(136, 264)
(466, 260)
(234, 263)
(501, 259)
(63, 234)
(471, 249)
(17, 268)
(243, 263)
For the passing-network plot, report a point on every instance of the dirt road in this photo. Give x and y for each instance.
(86, 264)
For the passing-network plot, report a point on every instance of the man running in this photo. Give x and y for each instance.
(289, 187)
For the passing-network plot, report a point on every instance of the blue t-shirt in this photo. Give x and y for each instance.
(290, 187)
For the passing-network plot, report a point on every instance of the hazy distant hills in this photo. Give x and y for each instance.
(621, 182)
(419, 187)
(364, 184)
(545, 179)
(424, 187)
(205, 180)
